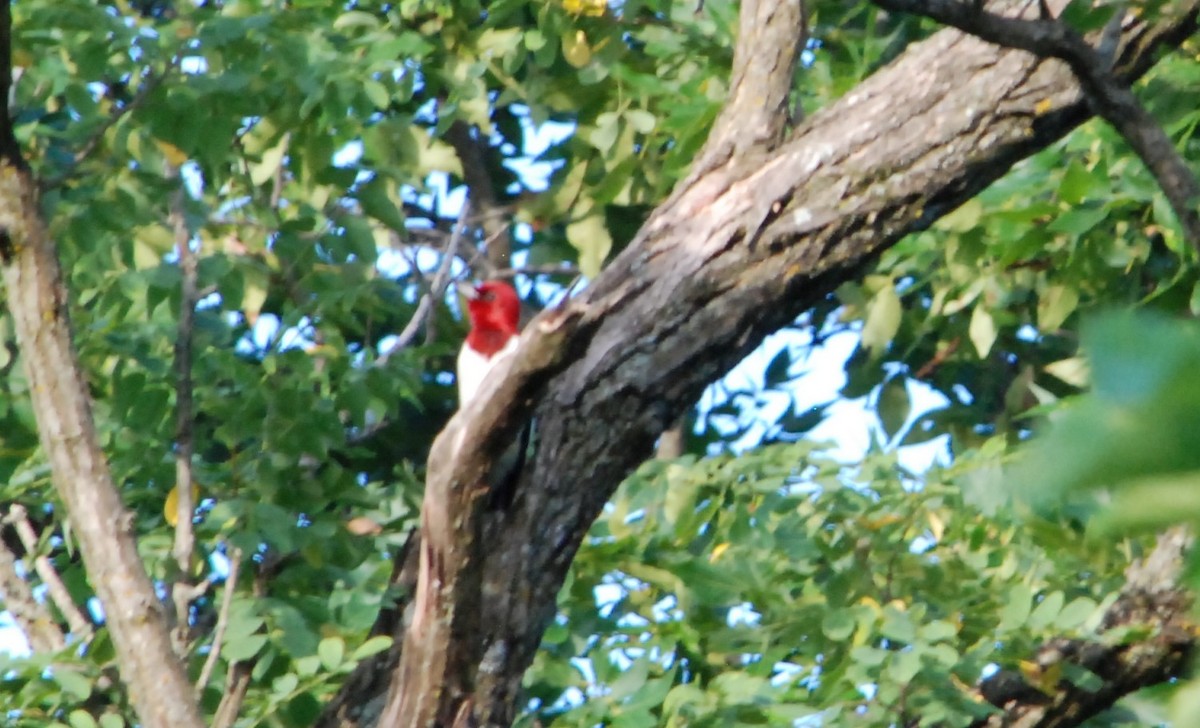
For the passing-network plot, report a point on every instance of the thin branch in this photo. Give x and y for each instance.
(470, 150)
(185, 539)
(437, 289)
(33, 617)
(529, 271)
(277, 177)
(237, 680)
(236, 685)
(214, 650)
(150, 84)
(80, 626)
(1109, 97)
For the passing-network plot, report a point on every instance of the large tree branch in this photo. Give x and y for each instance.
(37, 299)
(756, 235)
(1151, 600)
(1110, 98)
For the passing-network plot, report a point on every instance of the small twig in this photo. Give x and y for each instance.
(214, 650)
(277, 178)
(1110, 98)
(80, 626)
(33, 617)
(939, 357)
(185, 540)
(436, 291)
(529, 271)
(150, 83)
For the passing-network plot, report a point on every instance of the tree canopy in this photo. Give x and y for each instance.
(235, 488)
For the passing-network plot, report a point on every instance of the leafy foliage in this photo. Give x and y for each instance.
(781, 584)
(317, 150)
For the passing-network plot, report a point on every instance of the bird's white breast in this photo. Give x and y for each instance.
(473, 368)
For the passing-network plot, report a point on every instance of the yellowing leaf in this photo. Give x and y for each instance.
(270, 162)
(576, 49)
(887, 519)
(717, 551)
(590, 8)
(150, 244)
(171, 506)
(1073, 371)
(173, 154)
(363, 526)
(982, 331)
(937, 526)
(254, 294)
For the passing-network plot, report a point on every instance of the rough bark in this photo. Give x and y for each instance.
(37, 299)
(759, 232)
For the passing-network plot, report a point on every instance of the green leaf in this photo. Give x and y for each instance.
(898, 625)
(1185, 704)
(1047, 611)
(81, 719)
(1076, 184)
(904, 666)
(1017, 608)
(604, 134)
(641, 120)
(1077, 221)
(377, 201)
(1076, 613)
(630, 681)
(111, 720)
(377, 93)
(242, 649)
(883, 320)
(78, 686)
(965, 217)
(1153, 502)
(331, 650)
(838, 624)
(894, 406)
(591, 238)
(1054, 306)
(355, 19)
(372, 646)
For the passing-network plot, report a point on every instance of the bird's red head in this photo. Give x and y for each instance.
(495, 313)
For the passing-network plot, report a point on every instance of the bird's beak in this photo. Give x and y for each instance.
(466, 289)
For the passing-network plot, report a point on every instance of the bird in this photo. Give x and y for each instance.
(494, 311)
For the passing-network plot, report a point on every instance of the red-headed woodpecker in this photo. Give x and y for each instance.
(495, 313)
